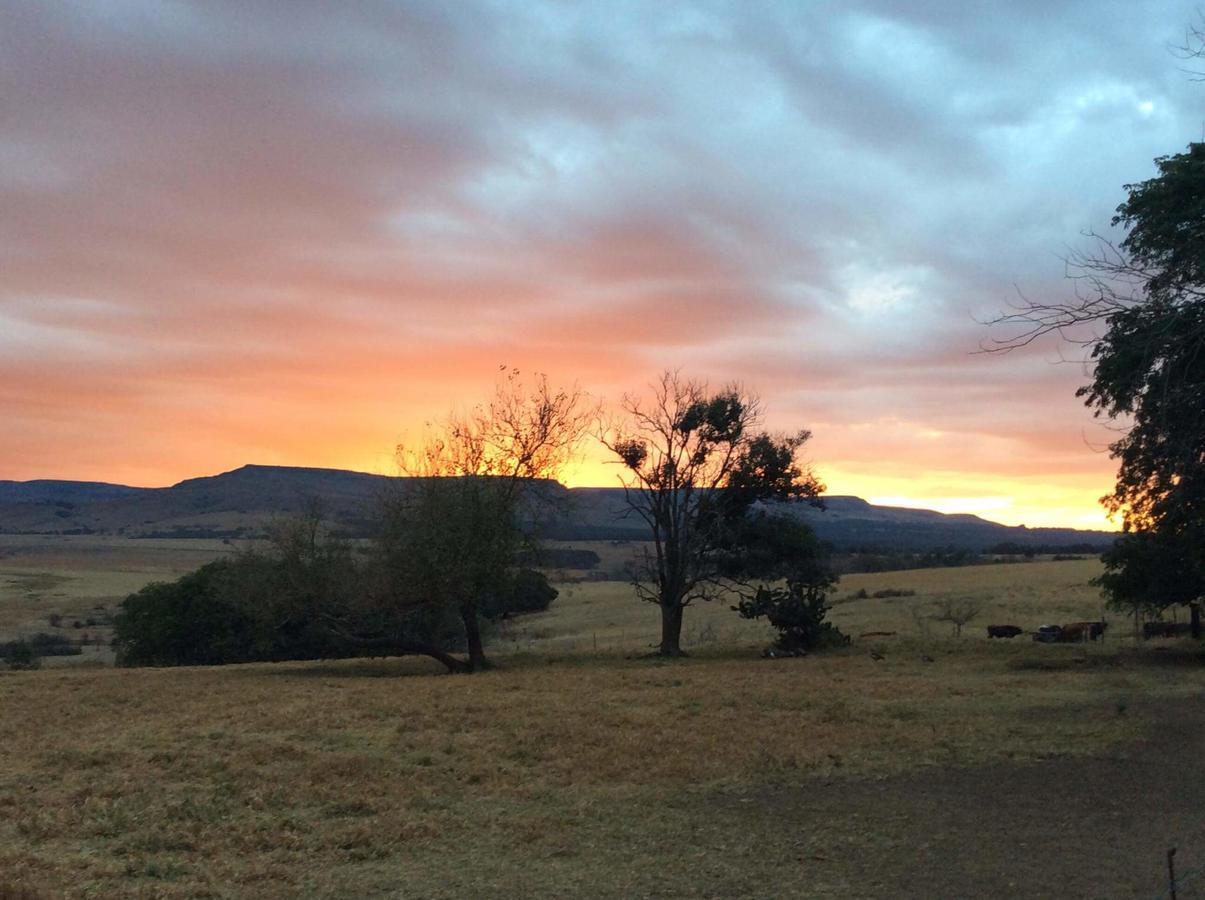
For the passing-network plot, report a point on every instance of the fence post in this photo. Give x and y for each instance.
(1171, 873)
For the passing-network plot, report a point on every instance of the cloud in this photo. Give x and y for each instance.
(285, 232)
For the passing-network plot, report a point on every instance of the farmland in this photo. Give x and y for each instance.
(578, 766)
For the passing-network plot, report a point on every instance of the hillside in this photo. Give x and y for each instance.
(244, 501)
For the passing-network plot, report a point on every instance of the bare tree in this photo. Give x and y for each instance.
(957, 612)
(695, 463)
(1194, 45)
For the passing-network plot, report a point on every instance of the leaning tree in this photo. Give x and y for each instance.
(695, 465)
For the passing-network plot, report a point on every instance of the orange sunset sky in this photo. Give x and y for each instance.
(290, 233)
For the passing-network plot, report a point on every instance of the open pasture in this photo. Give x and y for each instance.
(604, 616)
(580, 767)
(83, 578)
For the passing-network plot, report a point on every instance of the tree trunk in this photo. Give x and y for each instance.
(1195, 609)
(393, 647)
(671, 630)
(472, 634)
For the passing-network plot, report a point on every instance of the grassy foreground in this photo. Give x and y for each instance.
(575, 767)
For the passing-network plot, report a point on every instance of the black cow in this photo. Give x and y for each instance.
(1004, 631)
(1165, 629)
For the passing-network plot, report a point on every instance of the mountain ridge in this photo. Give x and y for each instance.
(243, 501)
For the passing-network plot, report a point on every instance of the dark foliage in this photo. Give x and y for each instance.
(40, 644)
(697, 466)
(780, 547)
(262, 607)
(527, 591)
(188, 622)
(1148, 572)
(21, 655)
(798, 611)
(1148, 292)
(948, 557)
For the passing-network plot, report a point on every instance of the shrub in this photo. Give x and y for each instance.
(53, 645)
(21, 655)
(41, 644)
(892, 592)
(260, 607)
(191, 621)
(798, 612)
(527, 591)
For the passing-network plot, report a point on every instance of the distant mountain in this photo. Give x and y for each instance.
(244, 501)
(849, 523)
(61, 491)
(241, 502)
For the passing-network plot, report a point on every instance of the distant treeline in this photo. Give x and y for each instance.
(560, 558)
(880, 561)
(952, 557)
(196, 532)
(41, 644)
(1011, 548)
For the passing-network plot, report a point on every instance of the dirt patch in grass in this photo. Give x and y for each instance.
(1090, 826)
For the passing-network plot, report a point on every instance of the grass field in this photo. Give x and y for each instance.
(577, 767)
(83, 579)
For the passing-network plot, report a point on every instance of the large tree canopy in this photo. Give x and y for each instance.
(453, 535)
(1148, 293)
(696, 463)
(1150, 364)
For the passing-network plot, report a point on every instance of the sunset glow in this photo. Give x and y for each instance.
(290, 233)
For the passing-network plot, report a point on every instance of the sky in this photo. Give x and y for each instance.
(292, 232)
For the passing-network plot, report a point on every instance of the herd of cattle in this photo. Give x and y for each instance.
(1088, 631)
(1166, 629)
(1054, 634)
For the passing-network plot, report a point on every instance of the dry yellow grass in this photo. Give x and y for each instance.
(593, 616)
(568, 770)
(349, 779)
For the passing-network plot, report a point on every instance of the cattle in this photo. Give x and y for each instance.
(1073, 633)
(1165, 629)
(1004, 631)
(1082, 631)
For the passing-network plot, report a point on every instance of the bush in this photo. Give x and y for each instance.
(21, 655)
(798, 612)
(53, 645)
(527, 591)
(260, 607)
(41, 644)
(188, 622)
(892, 592)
